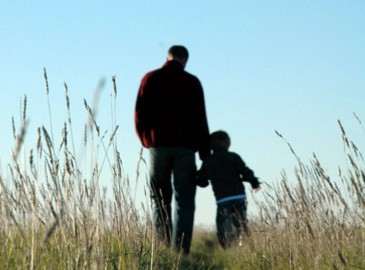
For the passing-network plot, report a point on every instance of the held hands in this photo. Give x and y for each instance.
(200, 181)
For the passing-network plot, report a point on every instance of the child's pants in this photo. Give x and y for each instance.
(231, 222)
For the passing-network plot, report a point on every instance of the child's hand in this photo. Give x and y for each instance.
(256, 189)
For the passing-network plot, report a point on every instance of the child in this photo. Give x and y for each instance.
(226, 171)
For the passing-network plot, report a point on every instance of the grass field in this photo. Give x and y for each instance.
(54, 214)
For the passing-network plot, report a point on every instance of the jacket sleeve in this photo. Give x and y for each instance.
(142, 114)
(201, 123)
(245, 172)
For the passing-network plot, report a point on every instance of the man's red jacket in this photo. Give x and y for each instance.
(170, 110)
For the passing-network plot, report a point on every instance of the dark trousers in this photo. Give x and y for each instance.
(231, 222)
(179, 163)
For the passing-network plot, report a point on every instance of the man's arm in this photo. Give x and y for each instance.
(201, 123)
(142, 115)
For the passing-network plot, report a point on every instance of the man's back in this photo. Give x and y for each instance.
(170, 119)
(170, 109)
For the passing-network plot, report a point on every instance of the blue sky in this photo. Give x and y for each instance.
(291, 66)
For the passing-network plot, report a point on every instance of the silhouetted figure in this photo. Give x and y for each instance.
(171, 121)
(226, 172)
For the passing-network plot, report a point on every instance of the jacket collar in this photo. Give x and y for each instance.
(220, 150)
(173, 64)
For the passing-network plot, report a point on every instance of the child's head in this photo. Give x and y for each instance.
(220, 140)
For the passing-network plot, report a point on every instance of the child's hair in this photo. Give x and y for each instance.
(219, 140)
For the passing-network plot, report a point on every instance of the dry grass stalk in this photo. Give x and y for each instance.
(55, 213)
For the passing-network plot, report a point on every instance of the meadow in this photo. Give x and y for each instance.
(55, 215)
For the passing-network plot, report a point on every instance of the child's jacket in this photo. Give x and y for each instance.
(226, 171)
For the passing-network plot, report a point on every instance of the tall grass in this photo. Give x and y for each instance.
(55, 215)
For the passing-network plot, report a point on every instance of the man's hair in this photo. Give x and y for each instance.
(179, 52)
(219, 140)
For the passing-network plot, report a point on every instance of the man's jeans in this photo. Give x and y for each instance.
(179, 162)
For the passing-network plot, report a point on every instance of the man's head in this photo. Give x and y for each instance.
(220, 140)
(178, 53)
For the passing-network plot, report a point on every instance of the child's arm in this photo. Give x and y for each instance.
(246, 173)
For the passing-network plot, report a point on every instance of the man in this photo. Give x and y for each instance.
(171, 121)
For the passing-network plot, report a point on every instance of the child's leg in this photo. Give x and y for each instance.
(224, 222)
(240, 221)
(244, 220)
